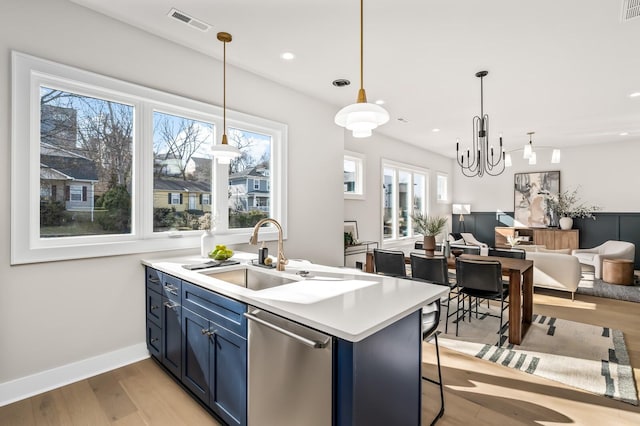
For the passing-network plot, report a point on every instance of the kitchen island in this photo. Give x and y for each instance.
(197, 329)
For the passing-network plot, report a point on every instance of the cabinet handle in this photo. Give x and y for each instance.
(171, 289)
(153, 280)
(155, 339)
(154, 307)
(170, 305)
(209, 333)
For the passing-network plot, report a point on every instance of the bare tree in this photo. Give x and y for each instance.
(180, 139)
(98, 129)
(245, 160)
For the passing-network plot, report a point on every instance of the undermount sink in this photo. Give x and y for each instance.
(250, 278)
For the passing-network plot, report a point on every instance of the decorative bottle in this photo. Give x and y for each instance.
(206, 243)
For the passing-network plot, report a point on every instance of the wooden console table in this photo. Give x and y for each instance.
(551, 238)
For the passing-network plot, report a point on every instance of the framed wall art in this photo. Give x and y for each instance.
(529, 200)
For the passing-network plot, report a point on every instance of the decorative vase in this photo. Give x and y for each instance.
(429, 245)
(206, 243)
(566, 223)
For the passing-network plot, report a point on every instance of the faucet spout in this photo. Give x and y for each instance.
(282, 260)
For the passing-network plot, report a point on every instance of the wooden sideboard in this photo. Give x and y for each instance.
(551, 238)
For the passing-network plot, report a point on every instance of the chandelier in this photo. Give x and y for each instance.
(481, 158)
(528, 153)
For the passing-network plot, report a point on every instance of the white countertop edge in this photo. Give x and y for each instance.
(355, 324)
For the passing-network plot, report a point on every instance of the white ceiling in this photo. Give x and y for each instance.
(564, 69)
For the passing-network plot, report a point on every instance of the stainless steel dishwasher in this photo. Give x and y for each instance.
(289, 373)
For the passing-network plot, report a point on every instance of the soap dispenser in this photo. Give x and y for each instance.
(263, 253)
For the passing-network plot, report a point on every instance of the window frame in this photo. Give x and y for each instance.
(29, 73)
(359, 190)
(397, 167)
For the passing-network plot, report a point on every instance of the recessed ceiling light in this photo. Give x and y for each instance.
(624, 134)
(635, 95)
(435, 130)
(288, 56)
(380, 102)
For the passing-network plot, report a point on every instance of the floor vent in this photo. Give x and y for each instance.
(183, 17)
(630, 10)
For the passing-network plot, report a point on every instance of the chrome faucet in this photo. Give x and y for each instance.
(254, 240)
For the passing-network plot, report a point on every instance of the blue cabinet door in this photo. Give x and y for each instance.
(229, 376)
(195, 368)
(171, 336)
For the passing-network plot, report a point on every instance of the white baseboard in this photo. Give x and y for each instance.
(35, 384)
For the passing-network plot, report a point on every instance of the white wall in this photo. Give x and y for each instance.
(57, 313)
(607, 175)
(368, 212)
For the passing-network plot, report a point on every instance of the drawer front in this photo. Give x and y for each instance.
(154, 279)
(217, 308)
(154, 340)
(171, 287)
(154, 307)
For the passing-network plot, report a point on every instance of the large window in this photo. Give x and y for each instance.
(103, 167)
(404, 190)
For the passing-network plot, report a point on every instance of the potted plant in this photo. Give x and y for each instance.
(429, 227)
(567, 206)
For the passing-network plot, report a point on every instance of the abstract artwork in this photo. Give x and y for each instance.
(529, 201)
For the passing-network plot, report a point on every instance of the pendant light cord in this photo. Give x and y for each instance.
(224, 91)
(361, 44)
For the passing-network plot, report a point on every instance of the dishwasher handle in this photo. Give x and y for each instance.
(301, 339)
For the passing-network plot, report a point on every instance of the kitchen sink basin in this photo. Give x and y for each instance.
(250, 278)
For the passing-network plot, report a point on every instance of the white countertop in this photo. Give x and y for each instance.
(345, 303)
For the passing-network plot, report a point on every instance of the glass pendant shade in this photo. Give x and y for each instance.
(532, 159)
(224, 153)
(555, 156)
(507, 160)
(361, 118)
(527, 151)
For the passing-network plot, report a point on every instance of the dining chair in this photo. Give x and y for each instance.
(512, 253)
(434, 269)
(389, 262)
(481, 279)
(430, 322)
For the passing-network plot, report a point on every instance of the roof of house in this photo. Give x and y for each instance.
(171, 184)
(257, 171)
(61, 164)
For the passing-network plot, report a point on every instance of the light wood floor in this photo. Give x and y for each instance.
(477, 392)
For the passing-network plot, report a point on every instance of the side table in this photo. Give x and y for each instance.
(617, 271)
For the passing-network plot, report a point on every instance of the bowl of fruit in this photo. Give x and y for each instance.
(221, 252)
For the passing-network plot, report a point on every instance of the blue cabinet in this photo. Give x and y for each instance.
(215, 357)
(201, 338)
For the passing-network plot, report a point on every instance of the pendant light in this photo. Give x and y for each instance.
(224, 152)
(528, 149)
(531, 155)
(362, 117)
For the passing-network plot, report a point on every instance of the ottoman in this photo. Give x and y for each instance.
(617, 271)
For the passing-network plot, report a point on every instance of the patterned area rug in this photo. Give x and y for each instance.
(596, 287)
(587, 357)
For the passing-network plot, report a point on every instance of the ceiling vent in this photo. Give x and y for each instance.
(630, 10)
(183, 17)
